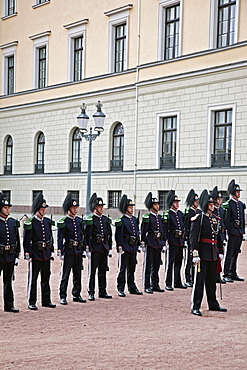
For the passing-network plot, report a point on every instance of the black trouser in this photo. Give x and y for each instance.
(74, 262)
(8, 296)
(97, 260)
(175, 258)
(207, 276)
(127, 261)
(189, 268)
(151, 266)
(233, 249)
(44, 268)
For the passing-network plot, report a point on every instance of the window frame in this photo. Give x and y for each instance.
(73, 166)
(40, 41)
(8, 50)
(162, 201)
(8, 164)
(163, 5)
(7, 195)
(113, 165)
(40, 164)
(113, 196)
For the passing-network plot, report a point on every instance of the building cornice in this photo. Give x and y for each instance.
(39, 35)
(118, 10)
(75, 24)
(9, 45)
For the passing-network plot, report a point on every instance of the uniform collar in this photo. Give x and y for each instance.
(173, 210)
(128, 216)
(235, 200)
(72, 218)
(154, 214)
(4, 219)
(96, 214)
(39, 219)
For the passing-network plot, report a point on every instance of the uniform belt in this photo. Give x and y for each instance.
(211, 241)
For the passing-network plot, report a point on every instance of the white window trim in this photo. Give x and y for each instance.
(210, 130)
(5, 10)
(213, 25)
(158, 135)
(117, 17)
(7, 51)
(37, 5)
(39, 41)
(75, 30)
(163, 4)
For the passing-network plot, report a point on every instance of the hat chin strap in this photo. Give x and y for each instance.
(4, 215)
(69, 211)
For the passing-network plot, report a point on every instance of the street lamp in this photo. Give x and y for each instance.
(82, 120)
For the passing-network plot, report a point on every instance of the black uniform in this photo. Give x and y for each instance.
(127, 237)
(154, 235)
(189, 269)
(9, 250)
(235, 225)
(205, 238)
(38, 242)
(175, 234)
(98, 236)
(70, 243)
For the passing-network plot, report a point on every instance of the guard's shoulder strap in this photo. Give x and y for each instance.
(61, 223)
(88, 220)
(118, 222)
(28, 224)
(145, 218)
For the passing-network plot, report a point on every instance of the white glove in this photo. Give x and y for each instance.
(27, 257)
(221, 256)
(139, 249)
(16, 261)
(110, 253)
(185, 244)
(59, 254)
(196, 260)
(143, 247)
(84, 254)
(120, 250)
(166, 247)
(88, 254)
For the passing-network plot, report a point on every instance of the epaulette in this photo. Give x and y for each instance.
(28, 224)
(88, 220)
(118, 222)
(186, 212)
(61, 223)
(194, 218)
(166, 216)
(225, 205)
(145, 218)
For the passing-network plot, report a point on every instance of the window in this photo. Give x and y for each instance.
(41, 1)
(10, 75)
(114, 197)
(75, 164)
(11, 7)
(169, 134)
(7, 195)
(38, 3)
(41, 67)
(116, 163)
(9, 154)
(75, 194)
(36, 192)
(76, 54)
(172, 16)
(226, 22)
(8, 62)
(162, 194)
(120, 48)
(118, 38)
(40, 61)
(40, 165)
(78, 57)
(222, 138)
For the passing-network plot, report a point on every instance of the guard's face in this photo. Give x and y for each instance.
(175, 204)
(156, 207)
(211, 207)
(5, 211)
(237, 194)
(41, 212)
(219, 201)
(130, 210)
(72, 211)
(99, 210)
(196, 201)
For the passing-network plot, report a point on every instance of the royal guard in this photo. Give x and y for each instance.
(219, 212)
(235, 225)
(98, 242)
(70, 248)
(192, 202)
(38, 251)
(127, 242)
(153, 239)
(175, 234)
(207, 247)
(9, 251)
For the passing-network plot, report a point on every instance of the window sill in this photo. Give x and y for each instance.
(39, 5)
(9, 16)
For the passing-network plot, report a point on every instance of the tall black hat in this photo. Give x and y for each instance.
(38, 202)
(124, 203)
(233, 187)
(69, 202)
(171, 197)
(149, 201)
(95, 201)
(191, 197)
(204, 199)
(215, 193)
(4, 201)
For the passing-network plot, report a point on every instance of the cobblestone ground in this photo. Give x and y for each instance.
(137, 332)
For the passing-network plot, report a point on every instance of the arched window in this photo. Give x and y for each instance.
(118, 148)
(40, 165)
(9, 155)
(75, 164)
